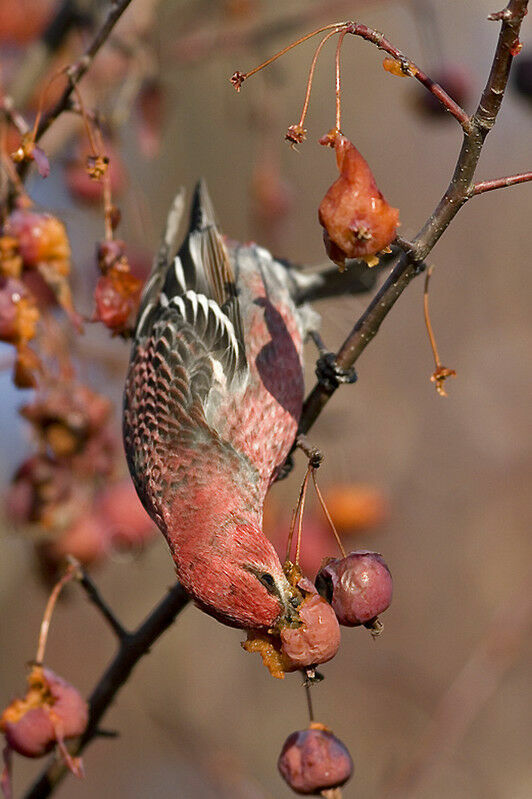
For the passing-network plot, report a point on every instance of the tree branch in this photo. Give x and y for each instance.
(132, 647)
(499, 183)
(77, 70)
(457, 194)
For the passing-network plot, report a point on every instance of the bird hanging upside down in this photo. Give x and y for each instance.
(213, 399)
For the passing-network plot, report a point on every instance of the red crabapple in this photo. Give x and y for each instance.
(314, 760)
(359, 587)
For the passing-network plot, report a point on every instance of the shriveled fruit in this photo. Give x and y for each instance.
(357, 220)
(314, 760)
(42, 238)
(51, 711)
(312, 638)
(316, 640)
(359, 587)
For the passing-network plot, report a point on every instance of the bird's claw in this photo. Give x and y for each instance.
(330, 375)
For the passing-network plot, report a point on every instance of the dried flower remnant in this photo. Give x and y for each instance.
(237, 79)
(296, 134)
(29, 151)
(357, 220)
(314, 760)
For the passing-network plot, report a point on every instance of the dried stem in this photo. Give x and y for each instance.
(328, 515)
(245, 75)
(50, 605)
(428, 323)
(131, 649)
(457, 194)
(337, 86)
(311, 76)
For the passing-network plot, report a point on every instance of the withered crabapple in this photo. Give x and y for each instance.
(44, 246)
(358, 587)
(314, 760)
(357, 220)
(51, 712)
(312, 639)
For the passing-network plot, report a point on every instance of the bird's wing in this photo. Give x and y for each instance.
(188, 352)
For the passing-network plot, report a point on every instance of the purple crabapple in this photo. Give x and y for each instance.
(358, 586)
(314, 760)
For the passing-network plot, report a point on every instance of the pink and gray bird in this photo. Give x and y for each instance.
(212, 403)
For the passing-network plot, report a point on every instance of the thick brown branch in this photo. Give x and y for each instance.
(132, 647)
(458, 192)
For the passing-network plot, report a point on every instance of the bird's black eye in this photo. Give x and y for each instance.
(267, 580)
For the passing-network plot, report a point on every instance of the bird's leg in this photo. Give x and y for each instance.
(329, 374)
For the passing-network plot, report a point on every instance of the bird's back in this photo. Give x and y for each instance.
(215, 379)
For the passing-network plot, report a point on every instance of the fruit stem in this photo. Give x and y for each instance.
(50, 605)
(337, 79)
(335, 25)
(328, 515)
(309, 701)
(311, 76)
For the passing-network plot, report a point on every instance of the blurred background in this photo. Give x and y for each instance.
(439, 705)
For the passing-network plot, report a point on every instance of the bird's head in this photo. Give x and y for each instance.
(236, 576)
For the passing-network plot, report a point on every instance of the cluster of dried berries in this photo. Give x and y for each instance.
(57, 495)
(44, 248)
(117, 293)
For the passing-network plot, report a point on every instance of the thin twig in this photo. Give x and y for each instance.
(457, 194)
(47, 617)
(98, 601)
(499, 183)
(132, 648)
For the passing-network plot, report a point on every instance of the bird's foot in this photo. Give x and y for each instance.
(329, 374)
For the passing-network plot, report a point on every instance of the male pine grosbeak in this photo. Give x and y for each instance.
(212, 403)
